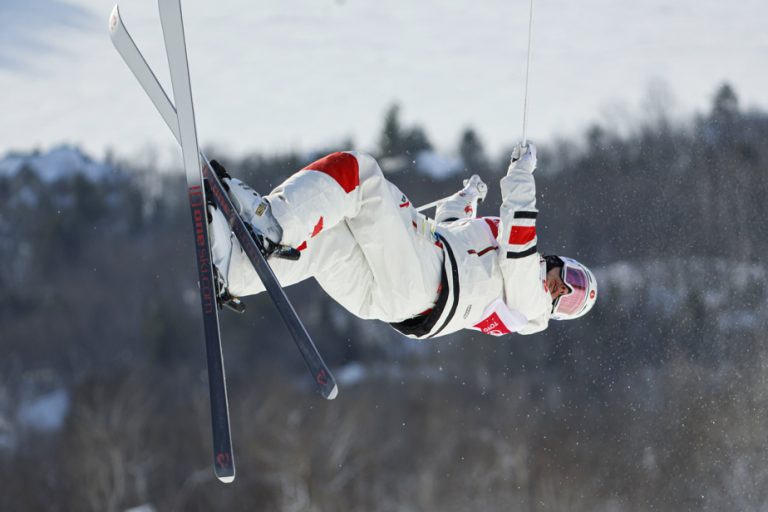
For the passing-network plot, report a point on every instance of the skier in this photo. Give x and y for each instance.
(366, 245)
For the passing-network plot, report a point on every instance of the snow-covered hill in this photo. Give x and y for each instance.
(730, 293)
(57, 163)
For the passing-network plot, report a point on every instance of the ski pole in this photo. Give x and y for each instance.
(430, 205)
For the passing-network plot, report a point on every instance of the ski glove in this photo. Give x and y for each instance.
(523, 158)
(475, 187)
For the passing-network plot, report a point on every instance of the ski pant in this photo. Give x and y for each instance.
(359, 237)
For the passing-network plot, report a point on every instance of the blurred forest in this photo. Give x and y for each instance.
(658, 400)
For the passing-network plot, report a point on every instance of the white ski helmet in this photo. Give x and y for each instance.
(583, 291)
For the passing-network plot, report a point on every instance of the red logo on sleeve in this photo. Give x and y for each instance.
(493, 325)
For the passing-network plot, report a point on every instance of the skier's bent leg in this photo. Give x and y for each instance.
(343, 202)
(317, 197)
(405, 266)
(405, 261)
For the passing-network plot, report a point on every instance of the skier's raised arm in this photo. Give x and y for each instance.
(518, 207)
(569, 288)
(524, 280)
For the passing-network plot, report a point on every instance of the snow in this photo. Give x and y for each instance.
(45, 412)
(142, 508)
(26, 197)
(60, 162)
(741, 320)
(350, 374)
(438, 166)
(427, 162)
(355, 373)
(731, 292)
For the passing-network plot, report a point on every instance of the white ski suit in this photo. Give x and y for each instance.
(372, 252)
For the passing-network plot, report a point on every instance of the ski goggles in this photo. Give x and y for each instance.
(577, 281)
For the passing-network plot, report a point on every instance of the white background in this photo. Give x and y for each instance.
(299, 74)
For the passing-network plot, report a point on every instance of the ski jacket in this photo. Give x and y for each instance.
(496, 279)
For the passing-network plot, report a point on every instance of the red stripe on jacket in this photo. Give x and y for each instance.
(520, 235)
(493, 223)
(342, 167)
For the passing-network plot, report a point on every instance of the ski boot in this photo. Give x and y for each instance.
(221, 241)
(256, 212)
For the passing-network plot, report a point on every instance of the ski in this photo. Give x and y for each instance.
(224, 465)
(130, 53)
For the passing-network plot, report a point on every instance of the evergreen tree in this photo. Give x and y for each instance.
(395, 140)
(391, 140)
(725, 106)
(472, 152)
(416, 140)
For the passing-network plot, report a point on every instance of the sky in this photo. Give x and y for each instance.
(302, 74)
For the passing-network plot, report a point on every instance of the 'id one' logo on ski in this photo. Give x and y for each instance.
(197, 201)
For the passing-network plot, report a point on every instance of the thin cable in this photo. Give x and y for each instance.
(527, 71)
(525, 101)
